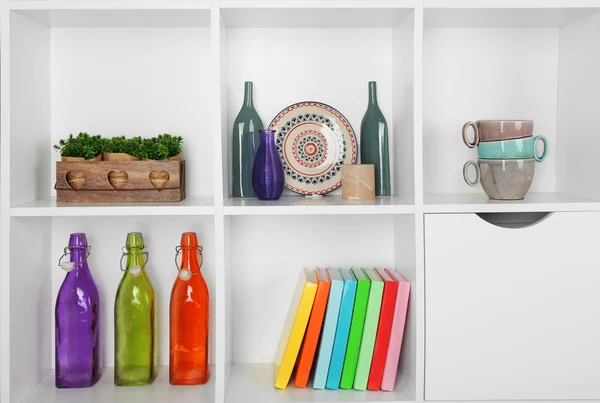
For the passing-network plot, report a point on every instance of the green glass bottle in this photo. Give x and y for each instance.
(374, 146)
(246, 140)
(135, 319)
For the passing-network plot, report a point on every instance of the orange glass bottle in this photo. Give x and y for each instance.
(190, 307)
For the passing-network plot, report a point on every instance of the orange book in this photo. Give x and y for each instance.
(313, 331)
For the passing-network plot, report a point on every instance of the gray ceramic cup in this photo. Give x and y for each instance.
(496, 130)
(502, 179)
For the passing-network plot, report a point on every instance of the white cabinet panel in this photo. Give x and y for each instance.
(512, 313)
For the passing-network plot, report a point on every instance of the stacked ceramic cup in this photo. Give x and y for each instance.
(507, 156)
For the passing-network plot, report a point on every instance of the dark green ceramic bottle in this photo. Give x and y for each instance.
(374, 147)
(246, 140)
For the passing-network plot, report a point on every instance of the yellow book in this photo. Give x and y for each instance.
(295, 326)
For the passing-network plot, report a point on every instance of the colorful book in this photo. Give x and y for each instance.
(329, 328)
(295, 326)
(363, 284)
(343, 329)
(393, 356)
(313, 331)
(384, 329)
(367, 343)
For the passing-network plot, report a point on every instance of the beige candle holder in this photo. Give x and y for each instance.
(358, 182)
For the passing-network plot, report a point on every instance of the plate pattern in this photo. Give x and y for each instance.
(313, 140)
(309, 149)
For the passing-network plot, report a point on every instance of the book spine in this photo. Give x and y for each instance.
(382, 341)
(329, 328)
(391, 362)
(356, 332)
(367, 343)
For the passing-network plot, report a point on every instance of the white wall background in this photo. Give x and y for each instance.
(268, 254)
(474, 74)
(332, 66)
(136, 82)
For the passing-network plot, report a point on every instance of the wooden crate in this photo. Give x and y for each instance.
(132, 181)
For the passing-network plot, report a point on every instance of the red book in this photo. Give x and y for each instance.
(384, 329)
(315, 322)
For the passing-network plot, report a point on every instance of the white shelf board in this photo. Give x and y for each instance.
(301, 205)
(109, 4)
(48, 207)
(505, 17)
(320, 4)
(500, 4)
(117, 17)
(306, 17)
(105, 391)
(479, 203)
(254, 383)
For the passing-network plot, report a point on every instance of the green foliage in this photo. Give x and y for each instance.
(120, 144)
(135, 147)
(161, 147)
(83, 145)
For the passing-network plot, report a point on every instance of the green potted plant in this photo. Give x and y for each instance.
(162, 147)
(82, 147)
(121, 149)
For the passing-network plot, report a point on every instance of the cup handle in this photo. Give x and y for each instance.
(545, 152)
(466, 137)
(466, 173)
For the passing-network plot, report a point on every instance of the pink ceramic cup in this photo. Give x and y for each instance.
(494, 130)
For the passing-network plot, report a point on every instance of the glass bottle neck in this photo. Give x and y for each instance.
(372, 93)
(77, 255)
(248, 97)
(135, 257)
(267, 136)
(189, 259)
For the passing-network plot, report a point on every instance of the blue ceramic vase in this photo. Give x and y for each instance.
(267, 177)
(245, 144)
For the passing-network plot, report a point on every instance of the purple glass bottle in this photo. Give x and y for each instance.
(267, 177)
(78, 354)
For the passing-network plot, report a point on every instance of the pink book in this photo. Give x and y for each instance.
(393, 354)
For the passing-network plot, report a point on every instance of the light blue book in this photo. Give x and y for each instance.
(329, 328)
(343, 330)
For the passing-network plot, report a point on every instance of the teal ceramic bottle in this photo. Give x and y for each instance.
(374, 146)
(246, 140)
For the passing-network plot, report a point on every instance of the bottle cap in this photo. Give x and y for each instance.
(68, 266)
(189, 239)
(134, 240)
(185, 274)
(135, 271)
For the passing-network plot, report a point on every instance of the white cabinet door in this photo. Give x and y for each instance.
(512, 313)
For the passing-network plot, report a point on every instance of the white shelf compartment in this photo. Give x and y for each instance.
(513, 6)
(72, 13)
(135, 80)
(289, 205)
(48, 207)
(525, 62)
(256, 380)
(108, 4)
(326, 52)
(264, 257)
(105, 391)
(39, 242)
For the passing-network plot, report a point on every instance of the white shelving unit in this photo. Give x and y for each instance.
(140, 67)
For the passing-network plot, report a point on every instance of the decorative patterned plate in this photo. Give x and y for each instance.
(314, 140)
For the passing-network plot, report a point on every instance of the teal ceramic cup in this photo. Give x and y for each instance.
(512, 149)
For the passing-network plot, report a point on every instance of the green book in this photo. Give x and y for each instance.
(356, 329)
(367, 343)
